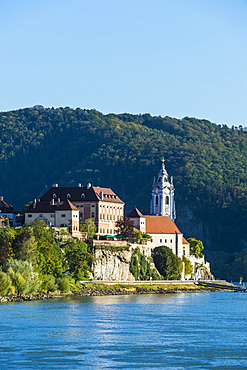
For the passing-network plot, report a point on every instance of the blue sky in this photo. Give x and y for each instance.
(164, 57)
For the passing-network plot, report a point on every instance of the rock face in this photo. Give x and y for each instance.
(192, 226)
(112, 265)
(113, 260)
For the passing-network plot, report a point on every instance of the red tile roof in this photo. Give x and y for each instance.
(161, 225)
(185, 241)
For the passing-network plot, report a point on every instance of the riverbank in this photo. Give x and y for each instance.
(100, 289)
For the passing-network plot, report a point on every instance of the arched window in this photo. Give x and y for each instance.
(156, 200)
(68, 196)
(54, 196)
(167, 200)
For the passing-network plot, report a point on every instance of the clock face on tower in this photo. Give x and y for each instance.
(156, 190)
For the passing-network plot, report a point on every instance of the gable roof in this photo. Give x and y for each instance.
(161, 225)
(135, 213)
(4, 207)
(67, 206)
(48, 207)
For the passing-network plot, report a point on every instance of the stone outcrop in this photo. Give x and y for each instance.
(112, 263)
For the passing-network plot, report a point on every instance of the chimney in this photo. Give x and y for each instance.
(52, 202)
(55, 185)
(1, 197)
(79, 185)
(101, 195)
(58, 202)
(89, 185)
(34, 203)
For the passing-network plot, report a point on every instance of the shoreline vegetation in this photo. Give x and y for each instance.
(100, 289)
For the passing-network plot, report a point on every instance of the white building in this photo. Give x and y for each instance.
(162, 230)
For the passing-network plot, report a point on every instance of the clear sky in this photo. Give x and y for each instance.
(164, 57)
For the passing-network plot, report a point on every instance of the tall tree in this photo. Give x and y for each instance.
(125, 227)
(167, 263)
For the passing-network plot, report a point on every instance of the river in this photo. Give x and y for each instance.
(163, 331)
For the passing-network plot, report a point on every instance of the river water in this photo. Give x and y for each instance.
(165, 331)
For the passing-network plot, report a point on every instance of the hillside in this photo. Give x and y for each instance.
(41, 146)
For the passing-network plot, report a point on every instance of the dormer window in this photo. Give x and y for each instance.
(68, 196)
(54, 196)
(82, 195)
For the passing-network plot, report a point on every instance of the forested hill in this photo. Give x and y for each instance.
(208, 161)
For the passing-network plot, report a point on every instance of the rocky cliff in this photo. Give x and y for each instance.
(113, 260)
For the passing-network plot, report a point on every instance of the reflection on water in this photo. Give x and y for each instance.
(166, 331)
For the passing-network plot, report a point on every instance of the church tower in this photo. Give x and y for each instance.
(162, 202)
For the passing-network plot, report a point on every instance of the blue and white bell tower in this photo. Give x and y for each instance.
(163, 202)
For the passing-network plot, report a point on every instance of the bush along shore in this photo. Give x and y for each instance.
(100, 289)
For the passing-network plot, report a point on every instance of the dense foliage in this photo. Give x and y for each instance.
(196, 247)
(140, 267)
(35, 258)
(167, 263)
(208, 162)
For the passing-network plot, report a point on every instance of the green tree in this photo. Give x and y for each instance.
(196, 247)
(22, 276)
(89, 227)
(167, 263)
(140, 237)
(140, 266)
(49, 254)
(6, 239)
(188, 268)
(5, 283)
(78, 260)
(48, 283)
(25, 245)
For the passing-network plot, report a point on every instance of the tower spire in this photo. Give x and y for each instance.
(162, 202)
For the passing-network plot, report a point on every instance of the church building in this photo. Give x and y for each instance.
(160, 223)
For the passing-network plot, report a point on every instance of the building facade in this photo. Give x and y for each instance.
(100, 204)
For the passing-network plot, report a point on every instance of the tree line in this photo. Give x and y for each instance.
(208, 162)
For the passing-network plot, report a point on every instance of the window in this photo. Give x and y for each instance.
(62, 215)
(170, 240)
(160, 240)
(157, 200)
(68, 196)
(93, 205)
(82, 195)
(29, 215)
(54, 196)
(41, 215)
(52, 215)
(165, 240)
